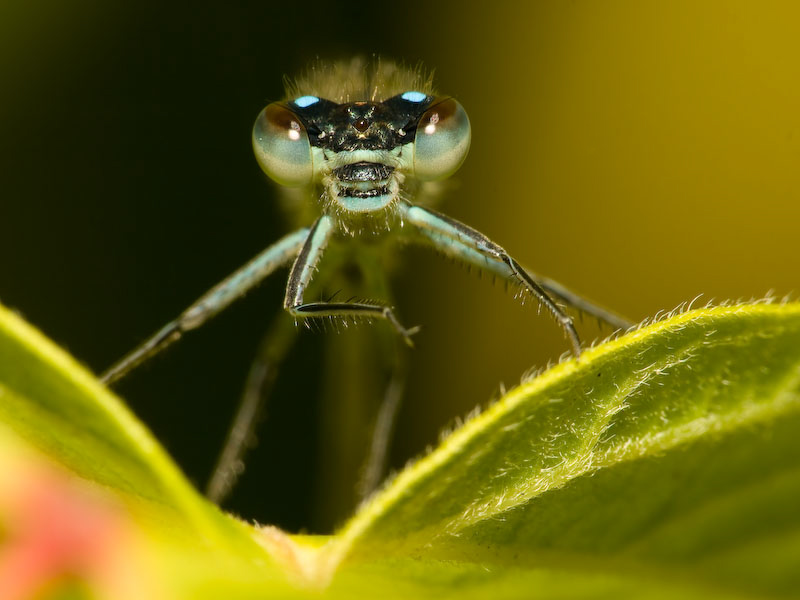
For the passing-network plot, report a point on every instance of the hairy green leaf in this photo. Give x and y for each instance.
(669, 456)
(663, 464)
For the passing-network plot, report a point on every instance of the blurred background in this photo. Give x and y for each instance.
(641, 153)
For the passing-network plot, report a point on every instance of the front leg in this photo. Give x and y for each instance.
(303, 270)
(458, 240)
(211, 303)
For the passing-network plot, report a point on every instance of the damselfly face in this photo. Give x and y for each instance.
(362, 153)
(366, 140)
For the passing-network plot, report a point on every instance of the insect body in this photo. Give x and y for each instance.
(365, 142)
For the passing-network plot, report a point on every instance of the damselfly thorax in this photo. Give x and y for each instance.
(360, 147)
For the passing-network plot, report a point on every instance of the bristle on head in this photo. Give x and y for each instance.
(359, 79)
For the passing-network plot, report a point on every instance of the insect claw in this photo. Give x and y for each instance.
(407, 333)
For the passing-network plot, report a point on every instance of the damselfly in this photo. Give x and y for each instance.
(358, 148)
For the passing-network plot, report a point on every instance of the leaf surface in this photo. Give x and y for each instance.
(662, 464)
(671, 455)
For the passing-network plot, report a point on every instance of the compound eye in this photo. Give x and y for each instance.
(442, 140)
(281, 145)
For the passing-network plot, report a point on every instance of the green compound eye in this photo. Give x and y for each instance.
(281, 146)
(442, 140)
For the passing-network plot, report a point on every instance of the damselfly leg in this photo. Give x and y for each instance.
(300, 277)
(258, 387)
(363, 145)
(211, 303)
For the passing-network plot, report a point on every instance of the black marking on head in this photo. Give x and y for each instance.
(361, 125)
(348, 192)
(363, 171)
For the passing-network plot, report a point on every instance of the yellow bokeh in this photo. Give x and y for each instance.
(642, 153)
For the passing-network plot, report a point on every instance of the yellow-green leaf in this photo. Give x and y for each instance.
(663, 464)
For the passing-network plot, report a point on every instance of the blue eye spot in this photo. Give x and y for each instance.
(304, 101)
(414, 96)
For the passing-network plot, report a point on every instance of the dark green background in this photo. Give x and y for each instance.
(640, 152)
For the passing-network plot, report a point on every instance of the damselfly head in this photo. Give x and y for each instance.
(362, 147)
